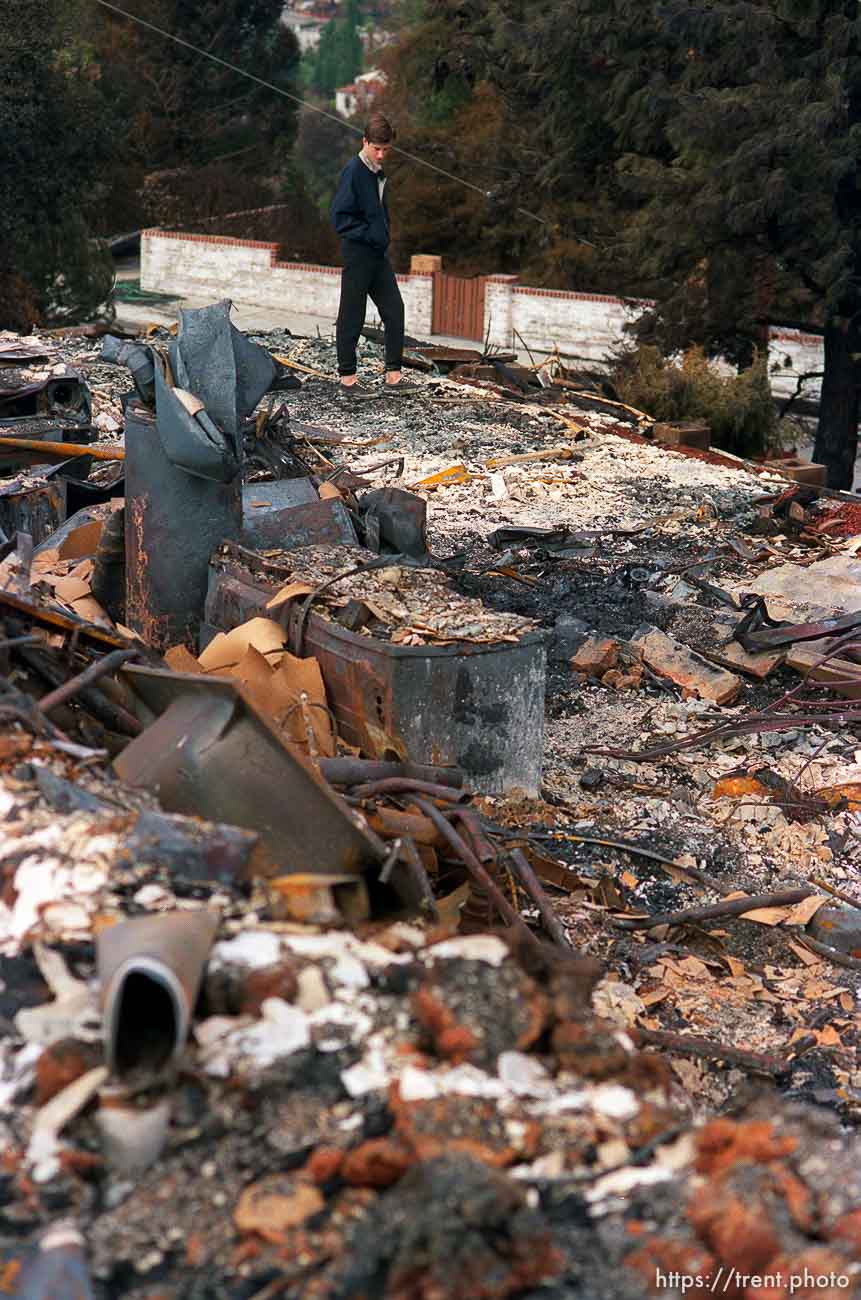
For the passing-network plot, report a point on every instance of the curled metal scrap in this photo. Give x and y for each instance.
(192, 442)
(211, 754)
(216, 362)
(754, 618)
(757, 631)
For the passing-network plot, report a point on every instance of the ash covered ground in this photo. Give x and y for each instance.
(421, 1115)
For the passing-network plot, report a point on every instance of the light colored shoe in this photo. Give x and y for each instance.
(403, 388)
(357, 392)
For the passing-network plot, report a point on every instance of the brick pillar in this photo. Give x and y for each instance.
(498, 300)
(425, 263)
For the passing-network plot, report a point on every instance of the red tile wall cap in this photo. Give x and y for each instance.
(584, 297)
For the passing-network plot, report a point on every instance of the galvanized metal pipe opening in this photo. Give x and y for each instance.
(147, 1019)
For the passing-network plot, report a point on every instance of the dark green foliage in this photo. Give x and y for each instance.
(323, 147)
(737, 407)
(500, 93)
(56, 144)
(338, 59)
(185, 109)
(740, 127)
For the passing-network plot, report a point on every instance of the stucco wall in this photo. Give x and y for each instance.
(245, 270)
(791, 354)
(584, 326)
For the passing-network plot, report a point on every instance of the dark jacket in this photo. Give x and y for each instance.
(357, 213)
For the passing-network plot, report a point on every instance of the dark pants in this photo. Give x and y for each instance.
(368, 274)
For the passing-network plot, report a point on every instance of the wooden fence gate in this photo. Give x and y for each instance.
(458, 306)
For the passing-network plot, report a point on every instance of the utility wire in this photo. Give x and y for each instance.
(279, 90)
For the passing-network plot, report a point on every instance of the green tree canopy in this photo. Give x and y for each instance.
(56, 143)
(338, 58)
(181, 108)
(738, 127)
(492, 91)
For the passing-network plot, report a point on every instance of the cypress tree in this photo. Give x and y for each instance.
(325, 74)
(339, 54)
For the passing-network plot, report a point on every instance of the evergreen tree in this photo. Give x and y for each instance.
(339, 54)
(742, 129)
(55, 146)
(325, 75)
(182, 109)
(496, 92)
(350, 54)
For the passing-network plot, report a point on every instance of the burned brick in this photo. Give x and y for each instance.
(664, 1255)
(798, 1198)
(378, 1162)
(325, 1164)
(817, 1273)
(473, 1126)
(668, 658)
(256, 986)
(723, 1143)
(740, 1235)
(61, 1064)
(596, 656)
(847, 1231)
(276, 1203)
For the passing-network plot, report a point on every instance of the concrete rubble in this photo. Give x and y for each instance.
(430, 837)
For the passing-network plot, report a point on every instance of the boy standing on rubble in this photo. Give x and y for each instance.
(360, 215)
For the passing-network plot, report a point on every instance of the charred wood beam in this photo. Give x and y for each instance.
(76, 685)
(729, 907)
(707, 1049)
(110, 715)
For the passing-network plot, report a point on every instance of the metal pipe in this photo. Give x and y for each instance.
(350, 771)
(65, 449)
(11, 642)
(479, 873)
(410, 856)
(530, 882)
(110, 715)
(399, 784)
(150, 969)
(97, 669)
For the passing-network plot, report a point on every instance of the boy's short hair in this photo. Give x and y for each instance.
(378, 129)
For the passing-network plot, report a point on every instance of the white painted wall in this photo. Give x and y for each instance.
(584, 326)
(792, 353)
(245, 270)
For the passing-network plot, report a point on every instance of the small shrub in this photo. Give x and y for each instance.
(737, 407)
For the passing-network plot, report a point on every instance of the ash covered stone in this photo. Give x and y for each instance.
(452, 1229)
(472, 1010)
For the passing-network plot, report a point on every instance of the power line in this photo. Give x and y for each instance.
(279, 90)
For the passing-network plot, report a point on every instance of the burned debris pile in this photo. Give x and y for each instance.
(430, 837)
